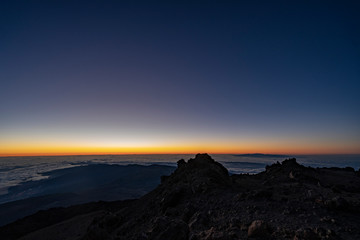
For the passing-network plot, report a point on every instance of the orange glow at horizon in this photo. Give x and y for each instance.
(211, 148)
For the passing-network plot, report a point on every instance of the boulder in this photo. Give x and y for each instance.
(258, 228)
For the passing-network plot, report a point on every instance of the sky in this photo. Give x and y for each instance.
(87, 77)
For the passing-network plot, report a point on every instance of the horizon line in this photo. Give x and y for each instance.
(123, 154)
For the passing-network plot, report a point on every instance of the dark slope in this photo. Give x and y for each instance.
(201, 201)
(46, 218)
(77, 185)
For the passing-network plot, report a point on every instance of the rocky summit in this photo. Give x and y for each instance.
(200, 200)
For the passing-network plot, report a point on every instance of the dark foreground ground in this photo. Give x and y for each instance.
(78, 185)
(201, 201)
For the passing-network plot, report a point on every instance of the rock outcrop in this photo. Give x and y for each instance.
(200, 200)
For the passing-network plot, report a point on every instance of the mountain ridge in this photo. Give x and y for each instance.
(200, 200)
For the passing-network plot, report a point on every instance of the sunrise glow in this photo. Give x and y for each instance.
(177, 79)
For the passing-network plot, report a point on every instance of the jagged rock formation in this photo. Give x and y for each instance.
(201, 201)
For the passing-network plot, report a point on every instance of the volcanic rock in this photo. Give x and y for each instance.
(258, 228)
(200, 200)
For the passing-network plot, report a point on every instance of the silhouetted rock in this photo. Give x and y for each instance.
(166, 228)
(306, 234)
(199, 200)
(258, 228)
(336, 203)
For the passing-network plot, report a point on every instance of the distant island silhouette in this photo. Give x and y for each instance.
(261, 155)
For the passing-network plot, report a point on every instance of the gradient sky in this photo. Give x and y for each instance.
(114, 77)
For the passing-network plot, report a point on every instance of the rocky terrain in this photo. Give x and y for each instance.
(200, 200)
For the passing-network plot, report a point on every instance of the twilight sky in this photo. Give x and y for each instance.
(113, 77)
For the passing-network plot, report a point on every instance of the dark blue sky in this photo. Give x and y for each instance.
(282, 76)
